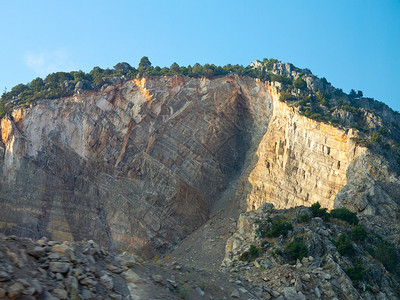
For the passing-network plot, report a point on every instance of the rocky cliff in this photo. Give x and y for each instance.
(298, 161)
(133, 166)
(138, 164)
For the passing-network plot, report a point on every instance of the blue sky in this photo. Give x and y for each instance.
(354, 44)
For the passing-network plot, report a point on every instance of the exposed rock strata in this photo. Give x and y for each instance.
(137, 165)
(298, 161)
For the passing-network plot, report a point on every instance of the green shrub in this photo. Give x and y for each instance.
(345, 215)
(254, 252)
(358, 233)
(286, 96)
(300, 83)
(250, 255)
(183, 292)
(317, 211)
(274, 227)
(296, 250)
(304, 218)
(387, 255)
(355, 273)
(343, 245)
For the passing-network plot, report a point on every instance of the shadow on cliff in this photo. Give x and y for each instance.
(172, 169)
(58, 207)
(250, 160)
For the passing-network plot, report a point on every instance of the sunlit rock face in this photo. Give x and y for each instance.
(137, 165)
(298, 161)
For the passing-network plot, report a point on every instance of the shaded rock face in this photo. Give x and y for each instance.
(372, 191)
(134, 166)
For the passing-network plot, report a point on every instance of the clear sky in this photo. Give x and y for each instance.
(354, 44)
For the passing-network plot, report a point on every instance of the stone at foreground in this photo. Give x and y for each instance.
(323, 271)
(93, 280)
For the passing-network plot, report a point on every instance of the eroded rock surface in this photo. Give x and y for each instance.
(134, 166)
(298, 161)
(137, 165)
(324, 270)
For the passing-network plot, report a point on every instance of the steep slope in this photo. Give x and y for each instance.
(298, 161)
(135, 165)
(138, 164)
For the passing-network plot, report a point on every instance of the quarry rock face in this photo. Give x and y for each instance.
(137, 165)
(133, 166)
(298, 161)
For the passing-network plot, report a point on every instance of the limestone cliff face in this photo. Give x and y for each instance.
(137, 164)
(133, 166)
(298, 161)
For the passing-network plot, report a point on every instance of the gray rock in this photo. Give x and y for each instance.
(107, 281)
(24, 282)
(114, 269)
(325, 276)
(317, 292)
(115, 296)
(42, 271)
(60, 293)
(306, 277)
(15, 290)
(37, 252)
(157, 278)
(88, 282)
(86, 294)
(4, 276)
(59, 267)
(53, 256)
(235, 294)
(275, 293)
(2, 293)
(91, 259)
(290, 293)
(72, 286)
(199, 291)
(29, 291)
(37, 286)
(47, 296)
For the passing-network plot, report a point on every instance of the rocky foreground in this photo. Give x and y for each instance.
(274, 254)
(85, 270)
(290, 254)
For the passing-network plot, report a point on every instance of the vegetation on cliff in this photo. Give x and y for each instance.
(377, 125)
(330, 255)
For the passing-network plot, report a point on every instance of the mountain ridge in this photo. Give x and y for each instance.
(138, 165)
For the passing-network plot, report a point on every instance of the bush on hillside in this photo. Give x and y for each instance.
(274, 227)
(345, 215)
